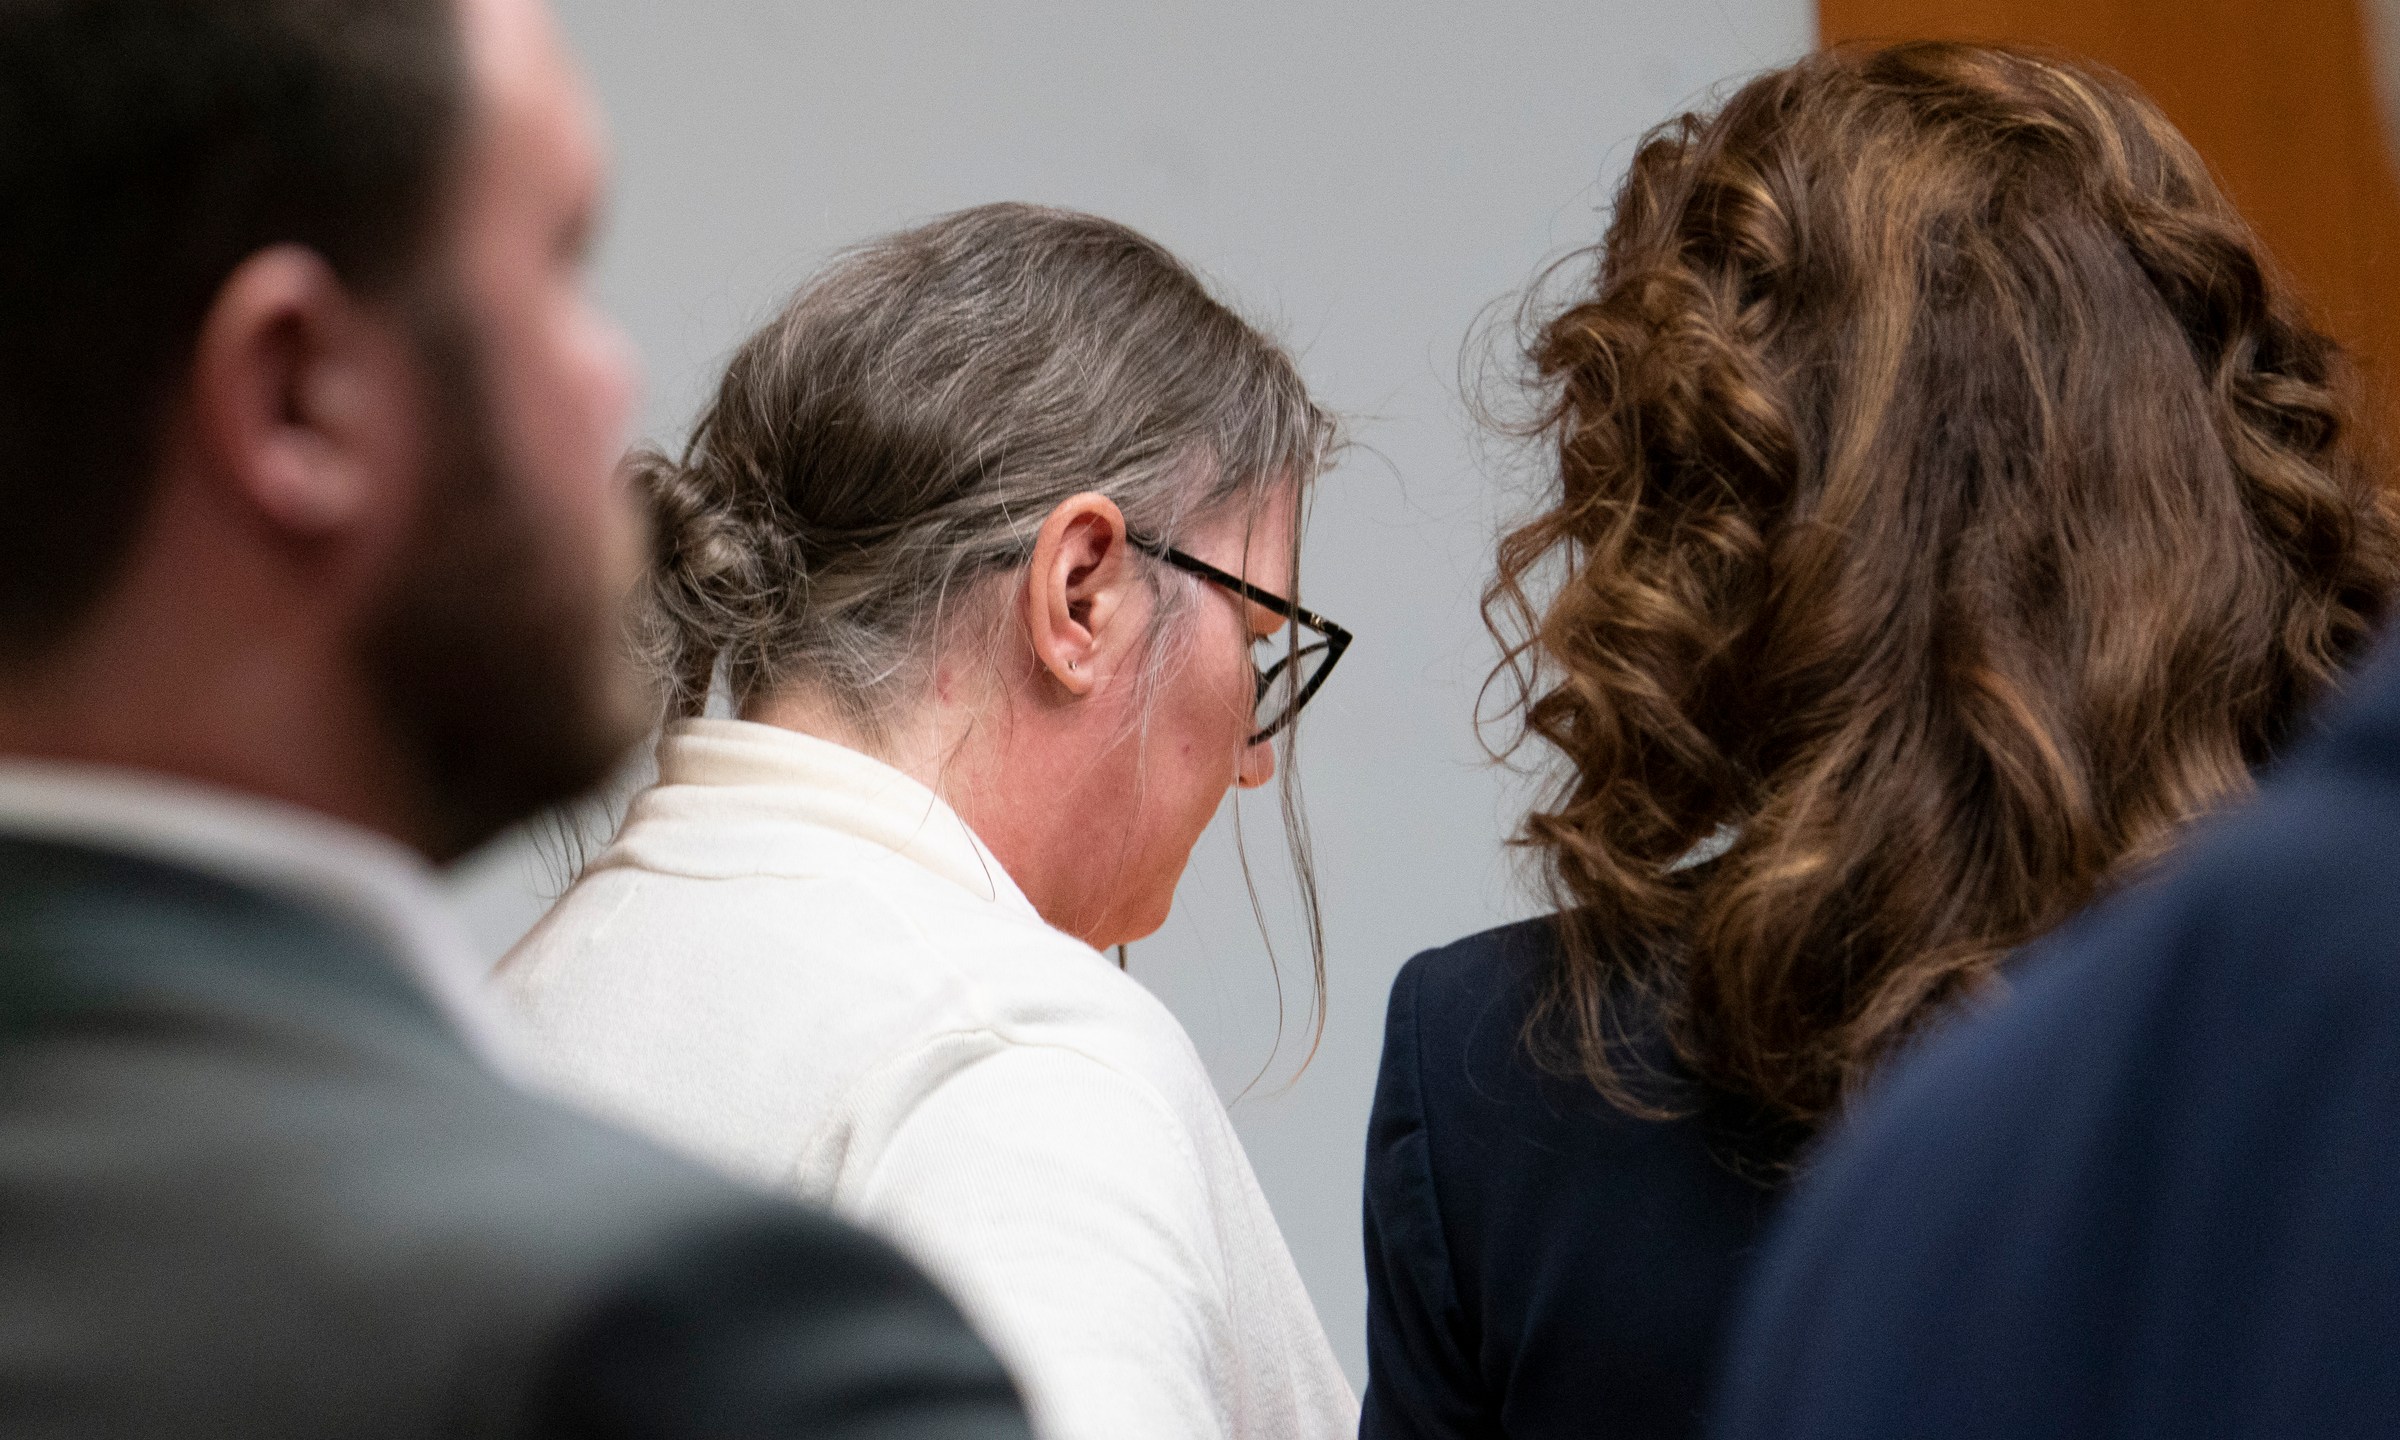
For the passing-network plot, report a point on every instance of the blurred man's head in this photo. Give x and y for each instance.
(293, 333)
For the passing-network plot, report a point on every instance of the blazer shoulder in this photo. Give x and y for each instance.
(444, 1253)
(236, 1142)
(1472, 996)
(724, 1313)
(1505, 960)
(2197, 1057)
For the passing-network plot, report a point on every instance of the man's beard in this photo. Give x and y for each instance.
(501, 671)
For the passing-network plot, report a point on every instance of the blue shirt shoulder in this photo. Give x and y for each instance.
(2156, 1190)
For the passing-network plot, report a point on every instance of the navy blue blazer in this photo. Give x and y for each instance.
(1540, 1263)
(2157, 1192)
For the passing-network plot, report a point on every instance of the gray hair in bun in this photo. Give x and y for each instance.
(901, 429)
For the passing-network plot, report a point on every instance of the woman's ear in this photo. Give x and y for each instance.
(1075, 590)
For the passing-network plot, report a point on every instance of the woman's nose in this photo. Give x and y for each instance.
(1258, 765)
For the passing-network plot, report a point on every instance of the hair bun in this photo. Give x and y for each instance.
(712, 559)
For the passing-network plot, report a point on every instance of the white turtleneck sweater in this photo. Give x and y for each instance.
(799, 963)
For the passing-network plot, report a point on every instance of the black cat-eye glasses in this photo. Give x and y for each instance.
(1297, 674)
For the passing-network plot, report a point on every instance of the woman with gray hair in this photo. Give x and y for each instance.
(990, 540)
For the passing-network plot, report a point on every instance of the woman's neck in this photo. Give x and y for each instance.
(922, 744)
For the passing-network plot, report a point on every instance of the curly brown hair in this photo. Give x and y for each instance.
(1949, 504)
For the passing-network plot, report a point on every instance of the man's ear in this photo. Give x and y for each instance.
(301, 396)
(1075, 590)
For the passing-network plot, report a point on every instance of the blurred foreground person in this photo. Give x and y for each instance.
(2157, 1191)
(1946, 512)
(311, 573)
(991, 538)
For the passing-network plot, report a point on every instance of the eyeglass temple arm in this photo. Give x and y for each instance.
(1192, 564)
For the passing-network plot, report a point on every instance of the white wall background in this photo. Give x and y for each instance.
(1369, 179)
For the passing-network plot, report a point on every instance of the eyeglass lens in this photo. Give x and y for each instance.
(1281, 684)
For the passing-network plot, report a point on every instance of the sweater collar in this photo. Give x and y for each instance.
(720, 773)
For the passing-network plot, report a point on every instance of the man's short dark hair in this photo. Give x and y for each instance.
(148, 147)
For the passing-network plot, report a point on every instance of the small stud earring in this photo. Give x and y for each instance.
(1074, 665)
